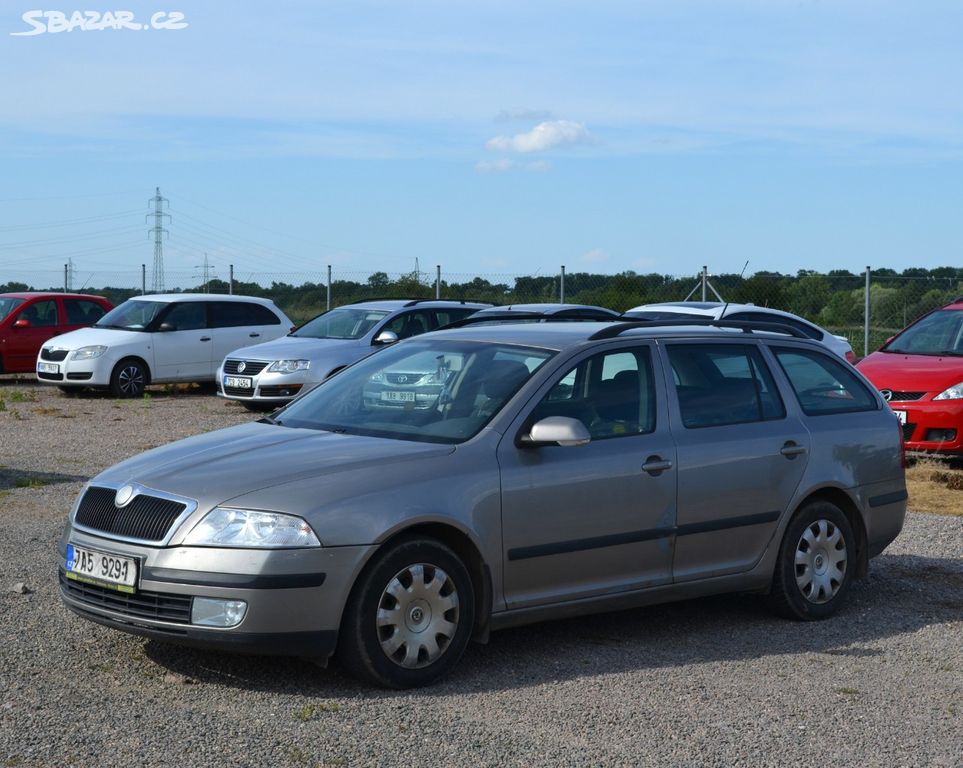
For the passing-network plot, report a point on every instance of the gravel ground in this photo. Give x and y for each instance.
(710, 682)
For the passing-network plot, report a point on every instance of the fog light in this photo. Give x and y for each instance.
(211, 612)
(940, 435)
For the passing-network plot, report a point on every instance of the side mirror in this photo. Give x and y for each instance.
(165, 327)
(557, 430)
(386, 337)
(21, 323)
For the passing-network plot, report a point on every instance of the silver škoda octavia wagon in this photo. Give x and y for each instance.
(561, 469)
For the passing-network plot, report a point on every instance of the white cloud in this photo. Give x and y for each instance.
(494, 166)
(538, 166)
(544, 136)
(595, 256)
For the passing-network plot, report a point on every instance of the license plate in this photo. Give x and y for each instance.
(48, 368)
(900, 416)
(238, 382)
(92, 567)
(398, 397)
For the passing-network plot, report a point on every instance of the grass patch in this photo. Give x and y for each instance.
(935, 487)
(44, 411)
(30, 482)
(310, 711)
(18, 396)
(848, 691)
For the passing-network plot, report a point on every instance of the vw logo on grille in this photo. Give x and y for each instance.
(241, 366)
(887, 394)
(124, 495)
(402, 379)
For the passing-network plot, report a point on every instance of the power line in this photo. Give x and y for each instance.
(70, 222)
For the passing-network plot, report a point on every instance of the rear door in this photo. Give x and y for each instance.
(23, 344)
(236, 324)
(741, 455)
(80, 313)
(598, 518)
(185, 352)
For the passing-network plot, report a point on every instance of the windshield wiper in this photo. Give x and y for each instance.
(270, 420)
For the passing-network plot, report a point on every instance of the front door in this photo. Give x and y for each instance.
(185, 352)
(598, 518)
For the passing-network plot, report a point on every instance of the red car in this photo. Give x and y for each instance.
(27, 320)
(920, 372)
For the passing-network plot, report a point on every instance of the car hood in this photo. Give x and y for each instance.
(88, 337)
(222, 465)
(295, 348)
(911, 373)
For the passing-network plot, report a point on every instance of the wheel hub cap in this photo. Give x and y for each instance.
(418, 615)
(821, 559)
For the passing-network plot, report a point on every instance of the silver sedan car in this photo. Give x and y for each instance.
(560, 469)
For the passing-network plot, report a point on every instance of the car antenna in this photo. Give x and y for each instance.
(723, 314)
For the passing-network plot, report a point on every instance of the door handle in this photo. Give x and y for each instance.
(655, 465)
(791, 449)
(205, 338)
(254, 335)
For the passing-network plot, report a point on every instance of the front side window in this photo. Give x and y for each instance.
(438, 391)
(41, 314)
(132, 315)
(341, 323)
(411, 324)
(939, 333)
(822, 384)
(611, 393)
(720, 384)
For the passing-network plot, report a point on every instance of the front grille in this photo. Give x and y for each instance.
(50, 376)
(908, 431)
(146, 517)
(404, 378)
(54, 355)
(905, 396)
(140, 605)
(251, 367)
(238, 391)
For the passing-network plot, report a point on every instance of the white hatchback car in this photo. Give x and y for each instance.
(179, 337)
(714, 310)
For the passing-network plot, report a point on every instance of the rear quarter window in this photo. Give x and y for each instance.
(823, 385)
(232, 314)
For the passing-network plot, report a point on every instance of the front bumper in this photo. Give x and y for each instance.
(295, 597)
(265, 387)
(80, 373)
(932, 426)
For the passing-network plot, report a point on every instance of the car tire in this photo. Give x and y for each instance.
(409, 616)
(817, 558)
(129, 378)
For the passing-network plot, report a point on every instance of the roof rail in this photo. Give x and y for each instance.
(746, 326)
(411, 301)
(451, 301)
(508, 316)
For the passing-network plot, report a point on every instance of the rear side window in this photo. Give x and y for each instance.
(723, 384)
(445, 316)
(189, 316)
(231, 314)
(822, 384)
(82, 312)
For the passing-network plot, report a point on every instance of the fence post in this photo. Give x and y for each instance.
(866, 316)
(230, 282)
(437, 281)
(705, 279)
(66, 279)
(561, 287)
(329, 289)
(143, 279)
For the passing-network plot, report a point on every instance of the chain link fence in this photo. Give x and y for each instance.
(837, 301)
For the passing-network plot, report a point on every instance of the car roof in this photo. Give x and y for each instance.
(558, 336)
(172, 297)
(393, 305)
(712, 309)
(48, 294)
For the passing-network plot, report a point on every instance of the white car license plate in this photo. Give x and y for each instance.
(113, 571)
(238, 382)
(398, 397)
(48, 368)
(900, 416)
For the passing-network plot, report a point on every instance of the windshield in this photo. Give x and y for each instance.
(428, 391)
(7, 306)
(132, 315)
(342, 323)
(939, 333)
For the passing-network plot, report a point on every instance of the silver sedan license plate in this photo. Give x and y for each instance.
(238, 382)
(101, 568)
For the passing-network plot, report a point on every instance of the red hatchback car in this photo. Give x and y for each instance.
(27, 320)
(920, 372)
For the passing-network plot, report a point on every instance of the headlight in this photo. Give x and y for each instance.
(953, 393)
(226, 527)
(88, 353)
(288, 366)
